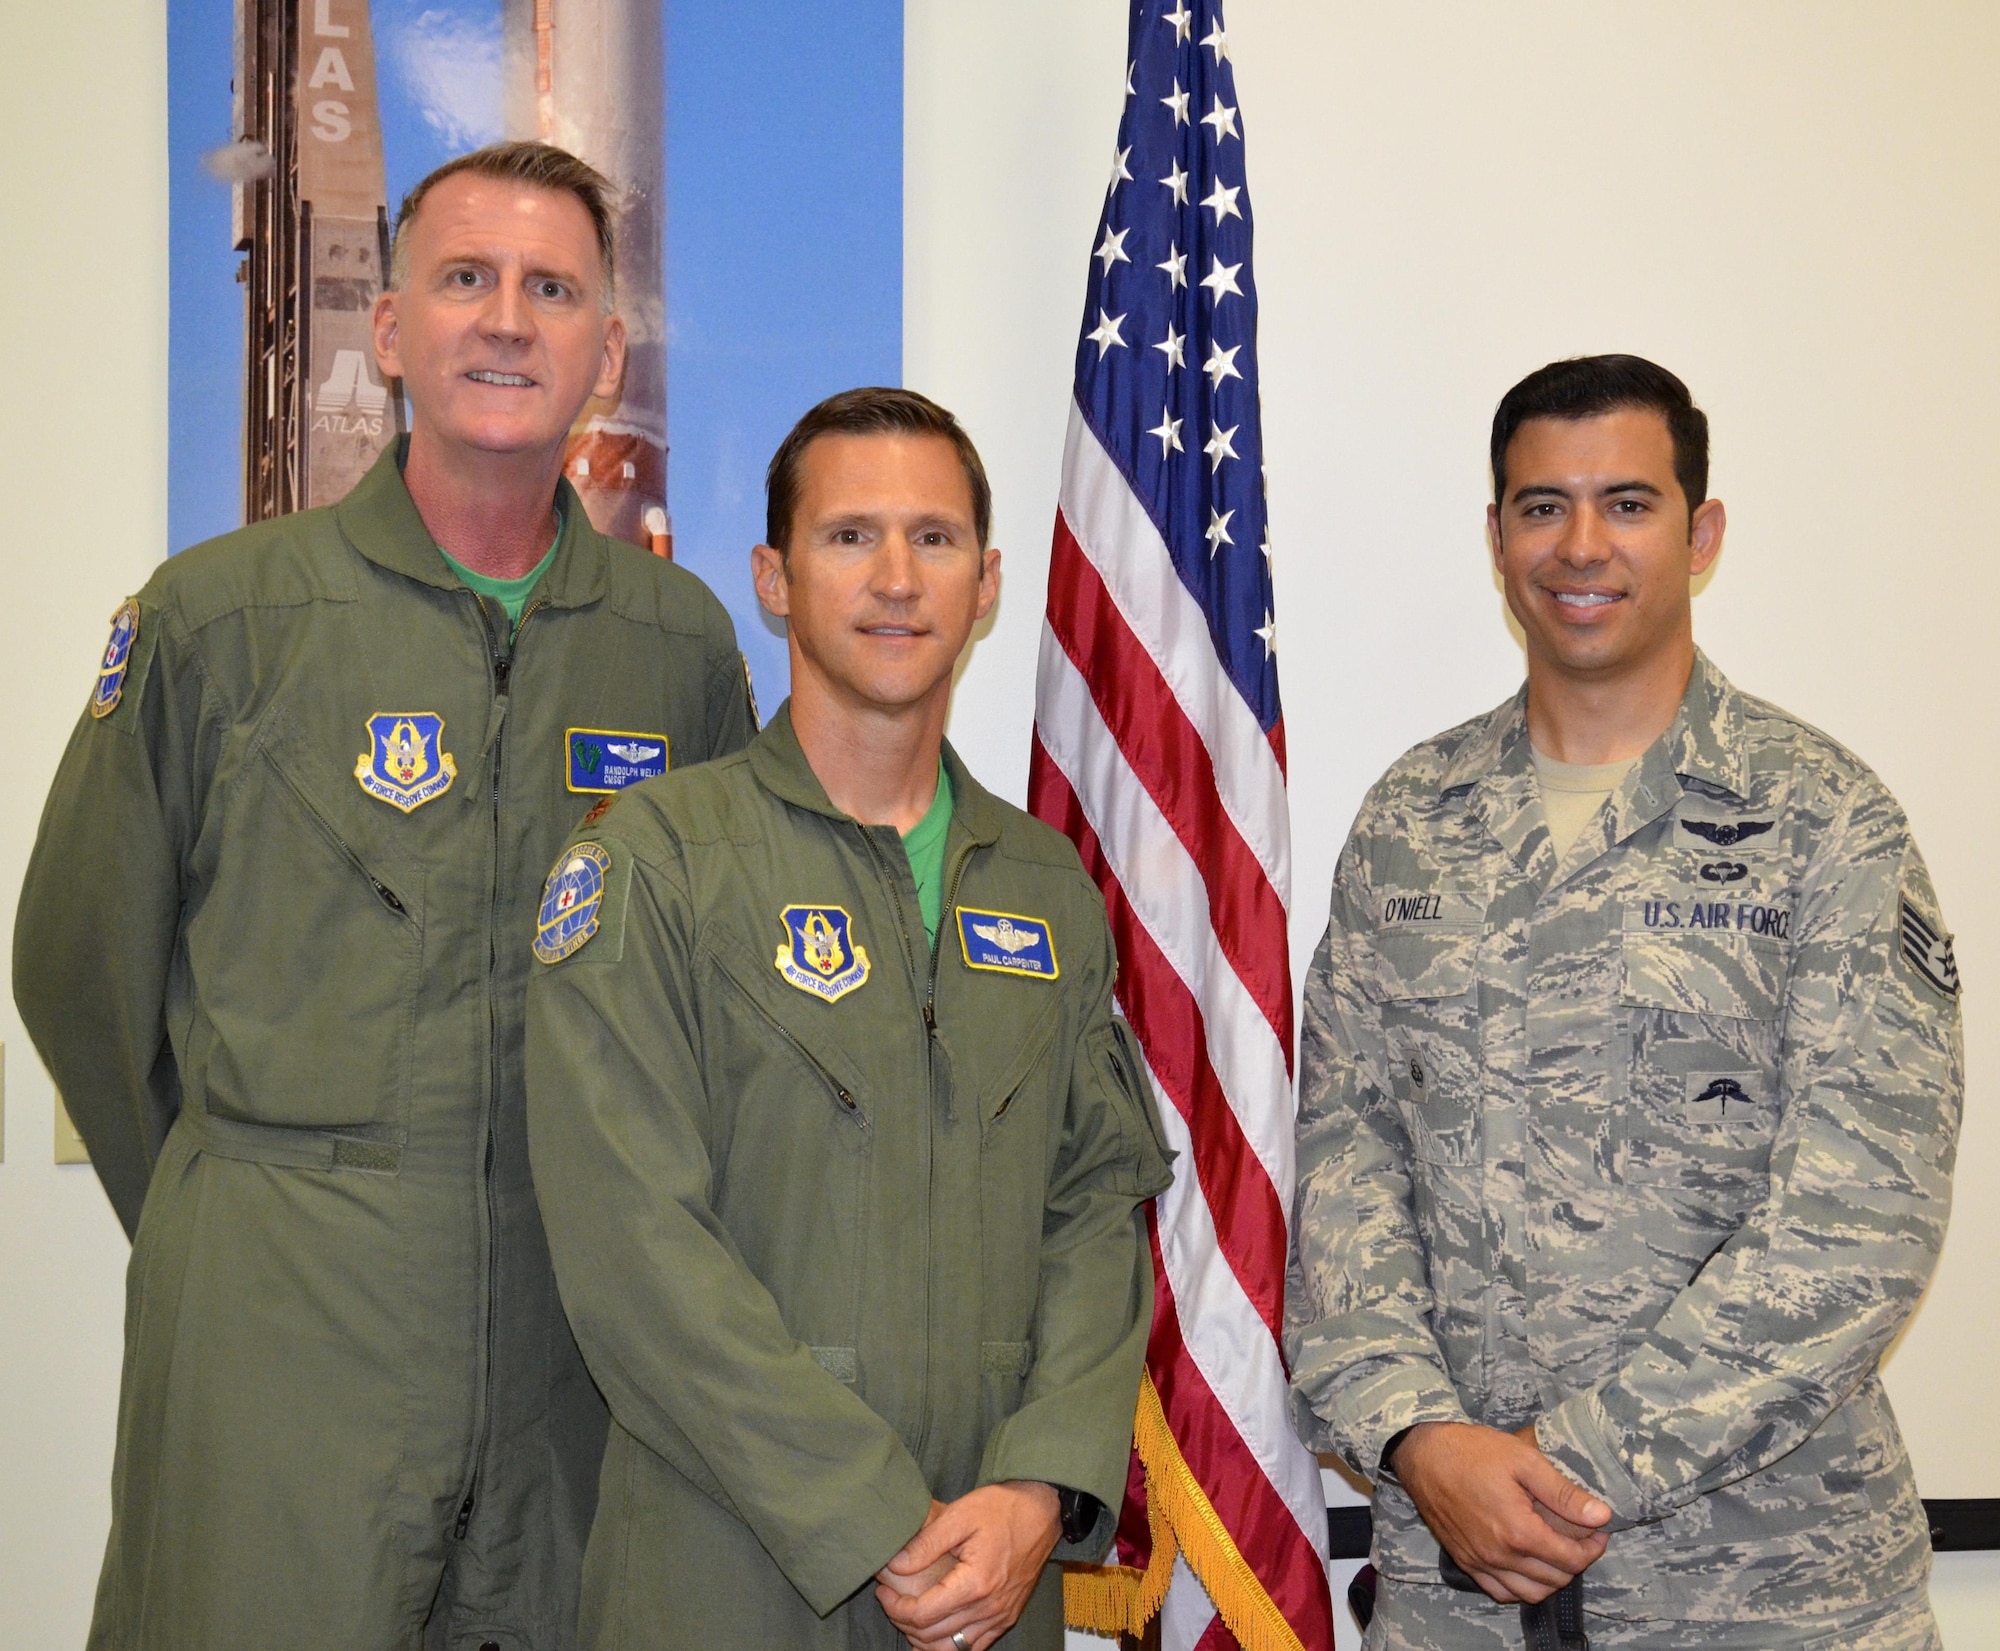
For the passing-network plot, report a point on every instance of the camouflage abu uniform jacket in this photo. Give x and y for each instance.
(1651, 1146)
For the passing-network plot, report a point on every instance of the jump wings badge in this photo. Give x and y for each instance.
(1007, 943)
(117, 660)
(405, 764)
(819, 955)
(570, 899)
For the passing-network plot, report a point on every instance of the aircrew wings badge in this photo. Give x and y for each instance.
(117, 660)
(1007, 943)
(819, 954)
(570, 899)
(406, 764)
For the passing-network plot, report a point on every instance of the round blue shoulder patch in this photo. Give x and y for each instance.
(117, 660)
(570, 899)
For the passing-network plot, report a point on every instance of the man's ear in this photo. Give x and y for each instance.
(770, 576)
(1493, 542)
(388, 352)
(611, 369)
(1705, 530)
(989, 581)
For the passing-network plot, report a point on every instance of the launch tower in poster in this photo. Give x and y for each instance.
(312, 216)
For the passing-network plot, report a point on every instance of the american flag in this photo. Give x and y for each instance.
(1160, 751)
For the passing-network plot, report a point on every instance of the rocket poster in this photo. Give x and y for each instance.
(757, 159)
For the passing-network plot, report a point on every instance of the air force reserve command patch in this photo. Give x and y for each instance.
(606, 760)
(406, 764)
(117, 660)
(1928, 952)
(570, 901)
(819, 954)
(1007, 943)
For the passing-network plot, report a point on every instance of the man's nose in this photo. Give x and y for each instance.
(1586, 539)
(508, 314)
(896, 568)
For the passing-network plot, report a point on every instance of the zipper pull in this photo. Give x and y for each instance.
(930, 1017)
(387, 896)
(503, 667)
(464, 1516)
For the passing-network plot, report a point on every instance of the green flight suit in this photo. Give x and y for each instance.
(283, 1002)
(832, 1246)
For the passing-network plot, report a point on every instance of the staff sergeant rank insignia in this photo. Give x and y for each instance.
(607, 760)
(570, 899)
(1928, 952)
(819, 955)
(1007, 943)
(405, 764)
(117, 660)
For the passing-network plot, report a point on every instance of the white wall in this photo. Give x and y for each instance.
(83, 466)
(1795, 205)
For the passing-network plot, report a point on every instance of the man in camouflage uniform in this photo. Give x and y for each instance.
(1632, 1077)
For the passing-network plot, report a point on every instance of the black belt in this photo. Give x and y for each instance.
(1554, 1624)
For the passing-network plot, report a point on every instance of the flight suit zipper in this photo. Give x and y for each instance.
(930, 1067)
(502, 666)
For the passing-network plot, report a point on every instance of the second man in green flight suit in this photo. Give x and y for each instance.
(838, 1141)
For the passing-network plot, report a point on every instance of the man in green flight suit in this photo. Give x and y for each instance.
(840, 1145)
(272, 948)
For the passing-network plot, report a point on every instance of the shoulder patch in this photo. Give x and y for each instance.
(117, 660)
(1007, 943)
(570, 901)
(1928, 952)
(819, 955)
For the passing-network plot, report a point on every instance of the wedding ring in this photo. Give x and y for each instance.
(961, 1641)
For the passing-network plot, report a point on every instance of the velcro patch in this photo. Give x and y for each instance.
(1928, 952)
(570, 901)
(1007, 943)
(117, 660)
(820, 955)
(607, 760)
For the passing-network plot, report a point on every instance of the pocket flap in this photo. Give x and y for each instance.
(1731, 975)
(1415, 964)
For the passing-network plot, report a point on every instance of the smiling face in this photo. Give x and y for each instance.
(1595, 545)
(499, 330)
(885, 576)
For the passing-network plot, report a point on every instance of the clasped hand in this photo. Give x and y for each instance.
(972, 1567)
(1502, 1509)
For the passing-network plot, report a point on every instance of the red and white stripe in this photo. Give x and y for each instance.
(1151, 761)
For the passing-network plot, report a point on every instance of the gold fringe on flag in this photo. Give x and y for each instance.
(1121, 1599)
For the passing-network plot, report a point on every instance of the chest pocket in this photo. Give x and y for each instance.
(306, 949)
(1426, 985)
(1703, 1023)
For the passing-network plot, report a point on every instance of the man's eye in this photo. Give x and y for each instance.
(465, 277)
(552, 290)
(847, 536)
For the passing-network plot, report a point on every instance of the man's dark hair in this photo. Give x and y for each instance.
(875, 410)
(540, 166)
(1586, 386)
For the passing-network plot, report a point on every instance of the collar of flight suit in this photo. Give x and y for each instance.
(379, 519)
(779, 762)
(1495, 765)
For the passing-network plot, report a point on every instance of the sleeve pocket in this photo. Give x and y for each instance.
(1119, 1071)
